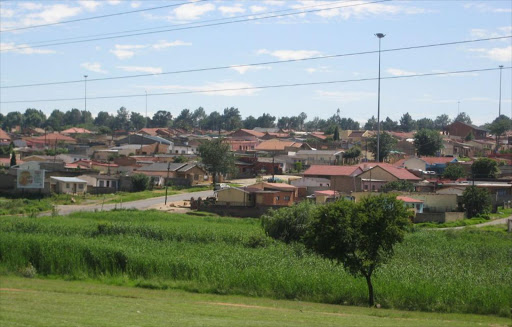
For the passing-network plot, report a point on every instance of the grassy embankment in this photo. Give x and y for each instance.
(35, 205)
(502, 213)
(44, 302)
(442, 271)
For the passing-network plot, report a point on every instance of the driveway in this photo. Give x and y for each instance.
(139, 204)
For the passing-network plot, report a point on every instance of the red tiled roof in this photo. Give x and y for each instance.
(326, 170)
(400, 173)
(327, 192)
(52, 137)
(408, 199)
(4, 135)
(250, 132)
(318, 135)
(276, 145)
(403, 135)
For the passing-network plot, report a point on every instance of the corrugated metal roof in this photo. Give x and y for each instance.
(68, 179)
(162, 166)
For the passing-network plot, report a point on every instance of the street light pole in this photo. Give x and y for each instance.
(380, 36)
(499, 107)
(85, 91)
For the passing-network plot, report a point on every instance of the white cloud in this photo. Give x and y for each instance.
(486, 8)
(192, 11)
(165, 44)
(30, 5)
(399, 72)
(50, 14)
(6, 13)
(290, 54)
(496, 54)
(149, 70)
(274, 2)
(244, 69)
(114, 2)
(23, 49)
(257, 9)
(483, 33)
(231, 10)
(93, 67)
(344, 96)
(135, 4)
(231, 89)
(321, 69)
(89, 5)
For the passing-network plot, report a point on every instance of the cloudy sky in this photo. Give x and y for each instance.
(181, 36)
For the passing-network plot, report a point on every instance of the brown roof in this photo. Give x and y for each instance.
(52, 137)
(76, 130)
(277, 145)
(400, 173)
(273, 186)
(326, 170)
(408, 199)
(4, 135)
(250, 132)
(435, 160)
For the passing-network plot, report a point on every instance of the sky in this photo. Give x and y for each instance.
(341, 27)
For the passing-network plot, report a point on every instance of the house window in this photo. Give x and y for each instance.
(67, 185)
(81, 186)
(373, 187)
(277, 198)
(113, 184)
(102, 183)
(366, 187)
(287, 198)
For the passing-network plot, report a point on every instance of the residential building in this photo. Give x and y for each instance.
(379, 174)
(318, 157)
(413, 204)
(312, 184)
(67, 185)
(437, 164)
(75, 130)
(343, 178)
(462, 130)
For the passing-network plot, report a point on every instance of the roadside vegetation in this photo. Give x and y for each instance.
(465, 271)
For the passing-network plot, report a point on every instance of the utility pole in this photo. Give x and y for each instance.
(146, 124)
(380, 36)
(85, 91)
(499, 107)
(167, 181)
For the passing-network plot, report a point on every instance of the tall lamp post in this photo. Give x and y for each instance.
(146, 124)
(85, 91)
(499, 106)
(380, 36)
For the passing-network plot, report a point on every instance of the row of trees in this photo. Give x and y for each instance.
(228, 119)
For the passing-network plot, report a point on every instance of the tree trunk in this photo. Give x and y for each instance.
(371, 301)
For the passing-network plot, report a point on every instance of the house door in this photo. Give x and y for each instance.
(74, 188)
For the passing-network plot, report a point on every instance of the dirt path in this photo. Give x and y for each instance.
(489, 223)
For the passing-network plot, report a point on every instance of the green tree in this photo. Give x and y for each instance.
(56, 120)
(266, 121)
(73, 117)
(407, 124)
(498, 127)
(398, 185)
(12, 119)
(161, 118)
(484, 168)
(214, 121)
(180, 159)
(336, 136)
(33, 118)
(463, 118)
(371, 124)
(104, 119)
(387, 143)
(428, 142)
(137, 120)
(425, 123)
(184, 120)
(442, 121)
(470, 136)
(216, 157)
(298, 166)
(13, 159)
(122, 119)
(140, 182)
(389, 125)
(232, 119)
(454, 172)
(476, 201)
(361, 236)
(250, 122)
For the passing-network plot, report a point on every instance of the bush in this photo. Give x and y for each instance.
(140, 182)
(477, 201)
(288, 224)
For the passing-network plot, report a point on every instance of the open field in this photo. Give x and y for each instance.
(444, 271)
(36, 302)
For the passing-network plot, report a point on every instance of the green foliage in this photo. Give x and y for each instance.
(298, 166)
(140, 182)
(457, 223)
(442, 121)
(463, 118)
(387, 143)
(336, 135)
(484, 168)
(216, 157)
(352, 153)
(180, 159)
(428, 142)
(454, 172)
(468, 271)
(476, 201)
(407, 124)
(470, 136)
(398, 185)
(288, 224)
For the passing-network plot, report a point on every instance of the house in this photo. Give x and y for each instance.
(105, 154)
(437, 164)
(181, 146)
(267, 129)
(179, 173)
(376, 175)
(241, 145)
(101, 167)
(343, 178)
(358, 136)
(275, 194)
(75, 130)
(67, 185)
(152, 149)
(410, 203)
(236, 197)
(280, 146)
(246, 134)
(4, 137)
(164, 132)
(312, 184)
(101, 181)
(462, 130)
(193, 174)
(318, 157)
(51, 139)
(143, 139)
(326, 196)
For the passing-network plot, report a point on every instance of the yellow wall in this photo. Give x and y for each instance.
(233, 196)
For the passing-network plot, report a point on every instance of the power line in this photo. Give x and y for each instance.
(257, 64)
(184, 24)
(191, 27)
(98, 17)
(260, 87)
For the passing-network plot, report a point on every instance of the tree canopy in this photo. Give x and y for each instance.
(387, 143)
(428, 142)
(215, 156)
(484, 168)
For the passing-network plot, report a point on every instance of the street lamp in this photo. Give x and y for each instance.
(380, 36)
(85, 91)
(499, 108)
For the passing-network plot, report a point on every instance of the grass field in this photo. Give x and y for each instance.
(443, 271)
(36, 302)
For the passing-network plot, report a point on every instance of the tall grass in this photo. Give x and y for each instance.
(448, 271)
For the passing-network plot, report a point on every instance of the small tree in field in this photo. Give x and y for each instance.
(476, 201)
(360, 236)
(140, 182)
(454, 172)
(216, 157)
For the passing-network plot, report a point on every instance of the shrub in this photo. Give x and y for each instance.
(140, 182)
(477, 201)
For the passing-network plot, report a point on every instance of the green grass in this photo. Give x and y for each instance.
(464, 271)
(502, 213)
(458, 223)
(36, 302)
